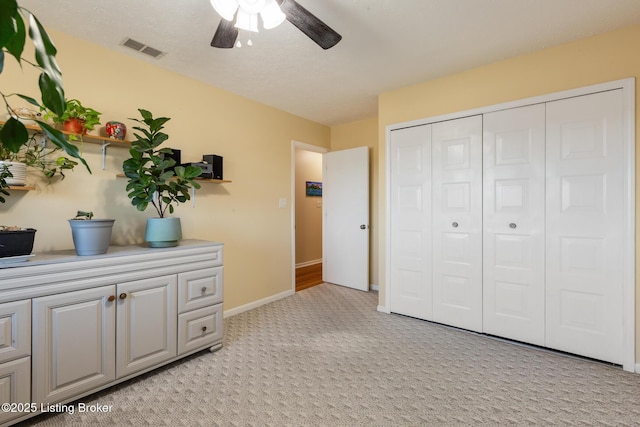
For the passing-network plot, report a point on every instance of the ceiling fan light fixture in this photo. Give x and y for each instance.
(271, 15)
(246, 21)
(225, 8)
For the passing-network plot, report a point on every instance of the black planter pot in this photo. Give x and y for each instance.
(16, 243)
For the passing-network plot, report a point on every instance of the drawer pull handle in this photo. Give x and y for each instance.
(123, 295)
(454, 224)
(204, 329)
(204, 290)
(512, 225)
(111, 298)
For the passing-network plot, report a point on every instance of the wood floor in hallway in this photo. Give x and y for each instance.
(308, 276)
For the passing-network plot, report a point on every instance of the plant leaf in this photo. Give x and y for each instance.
(14, 135)
(45, 53)
(52, 93)
(8, 16)
(15, 45)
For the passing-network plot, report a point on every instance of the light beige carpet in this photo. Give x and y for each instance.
(326, 357)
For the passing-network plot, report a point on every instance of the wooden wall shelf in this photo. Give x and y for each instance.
(93, 139)
(22, 187)
(205, 180)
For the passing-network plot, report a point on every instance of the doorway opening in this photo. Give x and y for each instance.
(306, 215)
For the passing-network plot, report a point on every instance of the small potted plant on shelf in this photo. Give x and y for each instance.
(14, 136)
(90, 236)
(76, 118)
(154, 179)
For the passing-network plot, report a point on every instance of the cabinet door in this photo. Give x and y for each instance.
(15, 385)
(200, 328)
(147, 323)
(199, 288)
(15, 330)
(457, 222)
(73, 343)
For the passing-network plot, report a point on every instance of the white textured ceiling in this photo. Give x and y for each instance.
(386, 44)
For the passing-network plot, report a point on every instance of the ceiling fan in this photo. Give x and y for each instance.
(227, 32)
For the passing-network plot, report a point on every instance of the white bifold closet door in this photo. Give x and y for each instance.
(585, 225)
(514, 209)
(457, 222)
(410, 220)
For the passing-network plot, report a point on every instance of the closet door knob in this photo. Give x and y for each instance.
(363, 227)
(454, 224)
(123, 295)
(111, 298)
(512, 225)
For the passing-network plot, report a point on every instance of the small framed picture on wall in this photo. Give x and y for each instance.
(314, 189)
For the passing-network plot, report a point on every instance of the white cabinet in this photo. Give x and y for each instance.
(99, 320)
(73, 343)
(146, 323)
(15, 348)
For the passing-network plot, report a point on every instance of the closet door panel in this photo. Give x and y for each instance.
(410, 258)
(585, 198)
(457, 222)
(513, 214)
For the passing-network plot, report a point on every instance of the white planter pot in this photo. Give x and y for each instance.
(91, 237)
(18, 170)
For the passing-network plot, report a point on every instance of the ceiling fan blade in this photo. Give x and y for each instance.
(225, 36)
(309, 24)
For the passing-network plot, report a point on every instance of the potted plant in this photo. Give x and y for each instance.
(14, 136)
(90, 236)
(154, 179)
(16, 241)
(76, 118)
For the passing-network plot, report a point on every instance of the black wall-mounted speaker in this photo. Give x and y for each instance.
(175, 156)
(216, 164)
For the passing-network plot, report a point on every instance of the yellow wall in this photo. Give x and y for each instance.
(255, 141)
(602, 58)
(363, 133)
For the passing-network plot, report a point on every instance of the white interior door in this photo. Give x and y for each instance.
(514, 209)
(410, 256)
(346, 218)
(457, 222)
(585, 201)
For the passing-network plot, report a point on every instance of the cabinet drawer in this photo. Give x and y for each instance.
(200, 288)
(15, 330)
(199, 328)
(15, 385)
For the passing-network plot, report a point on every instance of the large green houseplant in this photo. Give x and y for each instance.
(14, 136)
(156, 180)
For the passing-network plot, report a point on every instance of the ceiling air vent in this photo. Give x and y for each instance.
(142, 48)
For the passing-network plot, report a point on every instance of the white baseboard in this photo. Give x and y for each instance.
(256, 304)
(308, 263)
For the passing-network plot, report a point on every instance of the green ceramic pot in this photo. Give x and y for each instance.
(163, 232)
